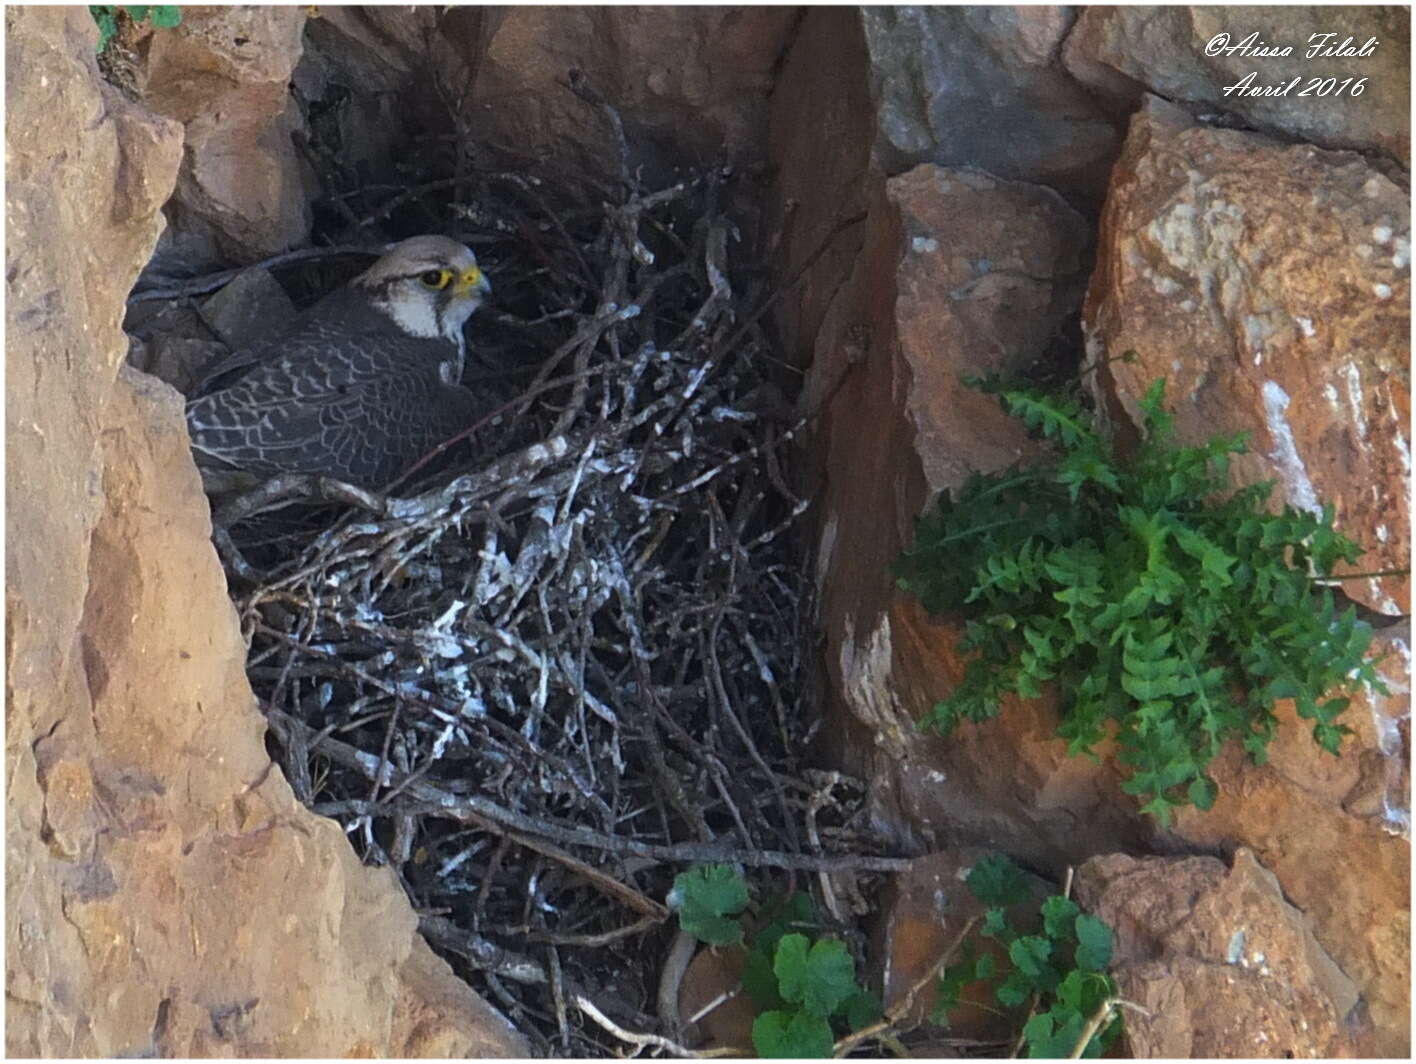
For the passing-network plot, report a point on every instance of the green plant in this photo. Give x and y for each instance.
(164, 16)
(1159, 609)
(804, 984)
(1062, 970)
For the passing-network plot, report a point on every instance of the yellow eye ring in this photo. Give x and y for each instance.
(436, 279)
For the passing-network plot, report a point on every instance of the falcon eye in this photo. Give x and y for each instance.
(436, 278)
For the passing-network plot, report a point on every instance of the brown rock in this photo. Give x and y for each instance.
(1225, 966)
(1174, 52)
(923, 913)
(1270, 285)
(690, 83)
(716, 971)
(1348, 868)
(821, 128)
(174, 360)
(223, 73)
(62, 132)
(947, 81)
(1008, 779)
(165, 893)
(990, 270)
(251, 307)
(959, 272)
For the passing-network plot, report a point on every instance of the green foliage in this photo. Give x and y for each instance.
(997, 881)
(708, 899)
(792, 1035)
(806, 987)
(811, 995)
(1063, 969)
(1162, 610)
(164, 16)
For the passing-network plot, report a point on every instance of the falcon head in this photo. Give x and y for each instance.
(428, 285)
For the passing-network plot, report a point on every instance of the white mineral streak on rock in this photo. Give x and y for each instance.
(868, 686)
(1398, 816)
(1285, 452)
(1354, 398)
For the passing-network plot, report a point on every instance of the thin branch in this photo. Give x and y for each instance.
(474, 809)
(585, 1005)
(1099, 1019)
(902, 1007)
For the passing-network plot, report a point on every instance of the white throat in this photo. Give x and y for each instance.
(417, 315)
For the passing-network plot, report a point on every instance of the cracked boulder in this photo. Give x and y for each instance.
(946, 80)
(243, 191)
(165, 893)
(1192, 55)
(1220, 962)
(1270, 284)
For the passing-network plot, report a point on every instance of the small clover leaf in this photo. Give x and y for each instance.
(707, 898)
(862, 1009)
(1093, 943)
(995, 923)
(1014, 990)
(818, 977)
(997, 881)
(793, 1034)
(1031, 953)
(1058, 915)
(1053, 1035)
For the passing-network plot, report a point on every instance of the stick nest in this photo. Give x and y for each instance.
(541, 688)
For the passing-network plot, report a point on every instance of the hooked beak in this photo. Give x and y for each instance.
(471, 279)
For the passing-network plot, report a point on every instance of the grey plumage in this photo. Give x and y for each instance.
(361, 387)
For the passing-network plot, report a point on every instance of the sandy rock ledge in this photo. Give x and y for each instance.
(165, 894)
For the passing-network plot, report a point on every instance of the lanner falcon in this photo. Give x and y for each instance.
(364, 384)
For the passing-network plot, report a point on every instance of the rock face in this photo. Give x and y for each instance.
(922, 914)
(1304, 806)
(960, 272)
(1225, 966)
(820, 136)
(243, 191)
(890, 312)
(691, 84)
(1270, 285)
(990, 272)
(165, 893)
(252, 306)
(1192, 54)
(947, 80)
